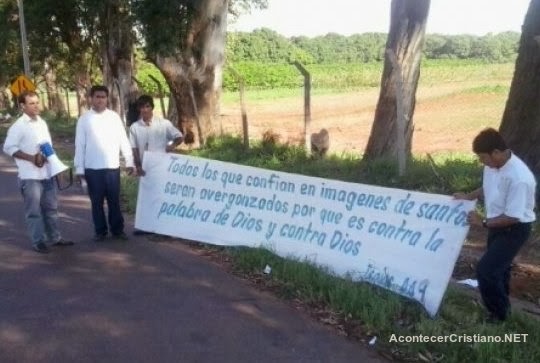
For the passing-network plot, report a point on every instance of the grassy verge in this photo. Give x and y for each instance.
(364, 310)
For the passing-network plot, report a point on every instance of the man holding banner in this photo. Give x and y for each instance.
(150, 133)
(37, 186)
(508, 190)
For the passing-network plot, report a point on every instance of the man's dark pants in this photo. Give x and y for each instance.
(493, 269)
(104, 184)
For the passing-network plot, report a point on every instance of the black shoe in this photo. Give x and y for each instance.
(41, 248)
(99, 237)
(63, 243)
(121, 236)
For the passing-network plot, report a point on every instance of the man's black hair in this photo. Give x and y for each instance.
(99, 88)
(145, 100)
(487, 141)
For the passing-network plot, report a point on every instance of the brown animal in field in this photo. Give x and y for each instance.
(320, 142)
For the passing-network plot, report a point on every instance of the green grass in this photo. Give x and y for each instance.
(454, 171)
(383, 314)
(340, 78)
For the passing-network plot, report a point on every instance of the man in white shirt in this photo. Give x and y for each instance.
(150, 133)
(99, 139)
(37, 187)
(508, 190)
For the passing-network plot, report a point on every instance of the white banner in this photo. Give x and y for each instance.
(404, 241)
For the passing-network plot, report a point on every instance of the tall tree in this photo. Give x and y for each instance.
(54, 96)
(11, 62)
(65, 34)
(117, 41)
(185, 39)
(405, 41)
(521, 119)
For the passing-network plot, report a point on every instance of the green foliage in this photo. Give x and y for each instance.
(145, 73)
(264, 45)
(346, 76)
(449, 173)
(267, 46)
(324, 76)
(164, 24)
(263, 76)
(11, 62)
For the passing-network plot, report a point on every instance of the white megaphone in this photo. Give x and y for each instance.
(54, 165)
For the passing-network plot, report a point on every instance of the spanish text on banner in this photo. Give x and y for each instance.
(404, 241)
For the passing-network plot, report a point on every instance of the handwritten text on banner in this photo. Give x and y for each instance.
(404, 241)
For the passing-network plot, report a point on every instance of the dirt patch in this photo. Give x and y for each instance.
(445, 118)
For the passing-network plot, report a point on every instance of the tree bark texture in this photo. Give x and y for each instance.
(82, 85)
(194, 74)
(55, 99)
(520, 124)
(118, 56)
(405, 40)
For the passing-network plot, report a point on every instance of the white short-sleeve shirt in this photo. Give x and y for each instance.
(510, 190)
(153, 136)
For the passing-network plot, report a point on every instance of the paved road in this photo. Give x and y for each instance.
(138, 301)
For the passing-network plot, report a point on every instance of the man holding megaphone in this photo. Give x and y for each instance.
(23, 142)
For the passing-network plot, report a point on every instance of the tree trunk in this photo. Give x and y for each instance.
(405, 40)
(118, 57)
(194, 75)
(82, 85)
(4, 100)
(520, 124)
(56, 102)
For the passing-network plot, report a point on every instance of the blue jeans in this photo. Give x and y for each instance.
(493, 269)
(104, 184)
(40, 210)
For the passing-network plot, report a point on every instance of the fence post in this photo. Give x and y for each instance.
(307, 103)
(241, 88)
(401, 114)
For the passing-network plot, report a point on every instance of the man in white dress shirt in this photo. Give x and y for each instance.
(508, 190)
(99, 139)
(37, 187)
